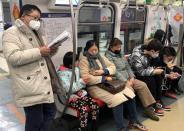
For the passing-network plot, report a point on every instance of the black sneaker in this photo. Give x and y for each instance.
(159, 111)
(150, 112)
(165, 107)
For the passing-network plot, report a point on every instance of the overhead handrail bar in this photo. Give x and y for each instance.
(104, 3)
(139, 8)
(157, 7)
(127, 3)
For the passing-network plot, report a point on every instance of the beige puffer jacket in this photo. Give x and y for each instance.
(28, 69)
(85, 70)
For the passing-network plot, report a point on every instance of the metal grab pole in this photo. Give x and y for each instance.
(74, 45)
(182, 41)
(74, 55)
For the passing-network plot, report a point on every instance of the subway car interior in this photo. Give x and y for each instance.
(133, 22)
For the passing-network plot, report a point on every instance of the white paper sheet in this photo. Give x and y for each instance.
(60, 39)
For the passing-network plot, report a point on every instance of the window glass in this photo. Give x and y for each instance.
(95, 24)
(132, 28)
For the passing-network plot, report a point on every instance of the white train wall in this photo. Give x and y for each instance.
(156, 19)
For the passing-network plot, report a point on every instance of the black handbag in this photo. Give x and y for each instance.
(114, 86)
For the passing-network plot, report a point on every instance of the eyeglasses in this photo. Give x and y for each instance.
(35, 18)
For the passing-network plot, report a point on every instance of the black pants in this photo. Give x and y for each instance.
(118, 111)
(39, 117)
(154, 84)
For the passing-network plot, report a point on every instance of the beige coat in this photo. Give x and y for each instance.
(28, 69)
(85, 70)
(111, 100)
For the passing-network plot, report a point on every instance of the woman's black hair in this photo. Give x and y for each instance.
(160, 35)
(89, 44)
(27, 9)
(115, 42)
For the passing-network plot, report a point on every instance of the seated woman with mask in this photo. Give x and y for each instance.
(100, 69)
(125, 73)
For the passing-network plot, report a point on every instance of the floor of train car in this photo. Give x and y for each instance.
(13, 119)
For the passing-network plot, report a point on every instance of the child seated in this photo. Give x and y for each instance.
(79, 98)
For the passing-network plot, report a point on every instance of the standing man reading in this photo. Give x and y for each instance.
(28, 61)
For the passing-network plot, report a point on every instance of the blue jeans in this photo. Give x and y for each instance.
(39, 117)
(118, 113)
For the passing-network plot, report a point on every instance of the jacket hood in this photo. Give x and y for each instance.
(22, 26)
(26, 30)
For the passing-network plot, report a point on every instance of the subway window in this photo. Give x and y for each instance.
(97, 24)
(132, 27)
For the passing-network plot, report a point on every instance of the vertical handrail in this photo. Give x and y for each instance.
(1, 4)
(166, 42)
(74, 44)
(74, 55)
(182, 41)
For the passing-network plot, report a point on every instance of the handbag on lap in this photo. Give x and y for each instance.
(114, 86)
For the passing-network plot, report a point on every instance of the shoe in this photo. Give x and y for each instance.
(165, 107)
(159, 110)
(170, 95)
(150, 112)
(159, 105)
(137, 125)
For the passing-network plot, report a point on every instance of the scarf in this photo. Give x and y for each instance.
(92, 61)
(55, 82)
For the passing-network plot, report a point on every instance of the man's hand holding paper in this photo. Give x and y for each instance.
(45, 51)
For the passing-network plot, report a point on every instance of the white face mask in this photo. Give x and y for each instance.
(35, 25)
(155, 55)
